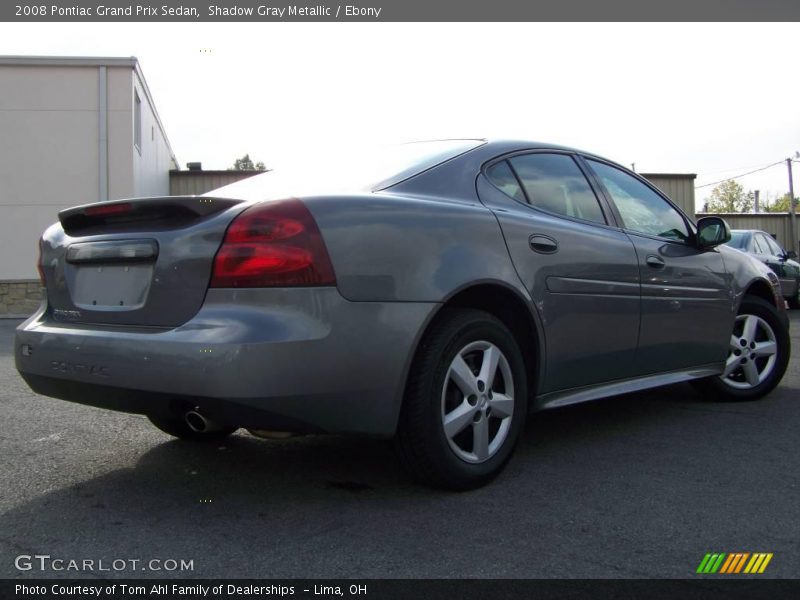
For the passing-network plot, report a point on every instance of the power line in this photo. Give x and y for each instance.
(732, 169)
(780, 162)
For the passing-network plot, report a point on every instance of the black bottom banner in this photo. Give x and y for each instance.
(237, 589)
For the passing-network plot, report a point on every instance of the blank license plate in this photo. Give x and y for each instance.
(111, 287)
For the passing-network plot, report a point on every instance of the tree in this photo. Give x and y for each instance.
(730, 197)
(246, 164)
(780, 205)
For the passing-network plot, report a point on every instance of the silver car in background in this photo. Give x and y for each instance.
(432, 292)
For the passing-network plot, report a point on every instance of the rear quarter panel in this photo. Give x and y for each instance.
(386, 247)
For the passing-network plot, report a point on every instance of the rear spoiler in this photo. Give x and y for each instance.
(128, 215)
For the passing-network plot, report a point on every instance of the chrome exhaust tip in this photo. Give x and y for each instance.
(198, 423)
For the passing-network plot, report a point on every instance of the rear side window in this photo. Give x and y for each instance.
(738, 240)
(642, 210)
(553, 182)
(503, 177)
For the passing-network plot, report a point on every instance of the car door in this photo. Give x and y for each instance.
(763, 252)
(580, 269)
(687, 306)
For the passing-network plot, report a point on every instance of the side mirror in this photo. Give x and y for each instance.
(791, 254)
(712, 231)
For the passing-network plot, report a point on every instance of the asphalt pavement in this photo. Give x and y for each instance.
(637, 486)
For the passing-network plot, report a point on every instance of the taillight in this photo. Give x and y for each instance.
(277, 244)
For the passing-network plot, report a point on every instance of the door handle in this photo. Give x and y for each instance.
(543, 244)
(655, 262)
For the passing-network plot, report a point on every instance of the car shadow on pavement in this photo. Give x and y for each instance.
(306, 469)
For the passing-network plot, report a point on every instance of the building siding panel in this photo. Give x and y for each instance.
(678, 187)
(48, 88)
(195, 183)
(50, 159)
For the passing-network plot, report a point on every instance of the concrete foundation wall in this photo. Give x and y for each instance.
(19, 298)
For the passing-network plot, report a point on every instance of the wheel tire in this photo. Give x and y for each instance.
(422, 445)
(717, 388)
(178, 428)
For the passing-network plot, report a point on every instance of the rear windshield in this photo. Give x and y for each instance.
(363, 169)
(738, 239)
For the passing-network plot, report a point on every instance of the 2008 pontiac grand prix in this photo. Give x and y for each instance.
(433, 292)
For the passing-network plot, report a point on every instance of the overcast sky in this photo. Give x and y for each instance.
(711, 99)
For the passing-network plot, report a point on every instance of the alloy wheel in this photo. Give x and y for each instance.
(752, 354)
(477, 402)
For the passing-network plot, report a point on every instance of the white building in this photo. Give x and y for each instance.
(72, 131)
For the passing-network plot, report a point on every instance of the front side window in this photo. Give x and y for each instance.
(759, 246)
(642, 210)
(774, 248)
(553, 182)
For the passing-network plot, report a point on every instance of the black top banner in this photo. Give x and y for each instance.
(405, 10)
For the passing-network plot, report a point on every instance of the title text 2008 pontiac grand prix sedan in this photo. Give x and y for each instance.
(435, 292)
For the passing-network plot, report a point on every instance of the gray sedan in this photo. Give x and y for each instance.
(763, 247)
(433, 292)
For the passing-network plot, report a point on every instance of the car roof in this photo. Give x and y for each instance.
(503, 146)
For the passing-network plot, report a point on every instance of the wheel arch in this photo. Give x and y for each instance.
(760, 288)
(514, 310)
(516, 313)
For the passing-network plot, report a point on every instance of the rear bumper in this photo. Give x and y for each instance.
(302, 359)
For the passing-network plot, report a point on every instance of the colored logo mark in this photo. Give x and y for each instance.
(735, 562)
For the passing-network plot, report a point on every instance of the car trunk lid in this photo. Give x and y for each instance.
(142, 262)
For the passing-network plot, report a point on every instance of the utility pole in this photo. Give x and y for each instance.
(792, 208)
(756, 207)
